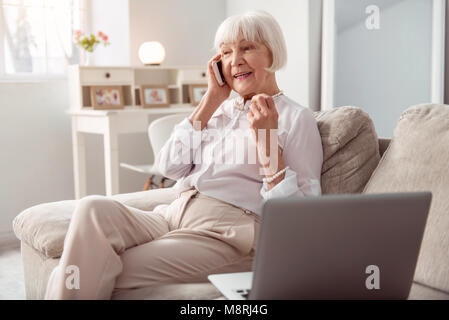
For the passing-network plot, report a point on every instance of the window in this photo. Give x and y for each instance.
(36, 36)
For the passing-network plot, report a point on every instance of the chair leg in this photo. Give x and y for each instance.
(148, 184)
(161, 184)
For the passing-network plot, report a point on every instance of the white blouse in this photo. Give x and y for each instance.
(218, 160)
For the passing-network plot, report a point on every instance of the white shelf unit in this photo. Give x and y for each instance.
(110, 123)
(177, 78)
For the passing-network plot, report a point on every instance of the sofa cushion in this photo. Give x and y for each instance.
(44, 226)
(417, 159)
(350, 149)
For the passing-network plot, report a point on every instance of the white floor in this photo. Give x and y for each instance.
(11, 274)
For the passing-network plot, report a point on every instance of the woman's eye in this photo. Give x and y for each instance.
(247, 48)
(225, 53)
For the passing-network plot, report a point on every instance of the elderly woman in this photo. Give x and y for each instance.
(228, 156)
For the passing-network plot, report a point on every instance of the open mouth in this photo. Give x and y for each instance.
(243, 76)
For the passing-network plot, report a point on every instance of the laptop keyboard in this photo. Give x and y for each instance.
(243, 292)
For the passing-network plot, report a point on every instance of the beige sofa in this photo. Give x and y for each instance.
(355, 161)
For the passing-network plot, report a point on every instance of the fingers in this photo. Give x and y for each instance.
(262, 114)
(256, 111)
(270, 103)
(210, 69)
(217, 57)
(259, 103)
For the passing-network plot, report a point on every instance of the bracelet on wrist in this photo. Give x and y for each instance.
(277, 174)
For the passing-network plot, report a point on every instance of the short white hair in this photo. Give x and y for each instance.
(257, 26)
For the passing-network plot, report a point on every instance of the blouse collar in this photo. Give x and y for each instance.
(239, 104)
(235, 105)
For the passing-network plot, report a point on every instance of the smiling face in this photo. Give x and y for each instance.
(250, 59)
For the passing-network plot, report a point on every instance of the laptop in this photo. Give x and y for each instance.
(353, 246)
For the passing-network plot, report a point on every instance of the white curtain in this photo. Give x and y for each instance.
(37, 35)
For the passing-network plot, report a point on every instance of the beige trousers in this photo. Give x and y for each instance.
(110, 246)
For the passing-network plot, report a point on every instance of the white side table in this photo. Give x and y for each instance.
(110, 123)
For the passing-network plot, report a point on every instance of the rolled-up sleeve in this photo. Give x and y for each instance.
(177, 156)
(303, 153)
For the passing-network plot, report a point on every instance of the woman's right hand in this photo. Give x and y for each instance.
(214, 90)
(213, 98)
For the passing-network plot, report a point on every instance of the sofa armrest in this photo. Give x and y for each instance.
(44, 226)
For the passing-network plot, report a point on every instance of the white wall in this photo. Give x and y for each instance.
(111, 17)
(185, 28)
(300, 21)
(385, 71)
(36, 164)
(36, 161)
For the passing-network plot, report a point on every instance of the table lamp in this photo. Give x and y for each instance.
(152, 53)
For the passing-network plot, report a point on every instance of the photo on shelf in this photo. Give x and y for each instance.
(196, 93)
(154, 96)
(107, 97)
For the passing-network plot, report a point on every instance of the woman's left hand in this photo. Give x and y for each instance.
(263, 115)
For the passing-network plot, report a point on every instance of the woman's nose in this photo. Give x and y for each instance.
(237, 59)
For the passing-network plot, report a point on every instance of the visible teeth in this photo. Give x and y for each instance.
(242, 75)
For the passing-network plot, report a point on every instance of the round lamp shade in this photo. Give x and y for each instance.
(152, 53)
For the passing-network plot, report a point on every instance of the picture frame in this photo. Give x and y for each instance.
(152, 96)
(106, 97)
(196, 92)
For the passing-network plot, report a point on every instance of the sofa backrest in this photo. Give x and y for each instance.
(350, 149)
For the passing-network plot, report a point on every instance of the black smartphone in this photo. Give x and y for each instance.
(217, 66)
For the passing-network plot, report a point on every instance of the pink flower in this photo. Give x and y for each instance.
(105, 38)
(100, 34)
(76, 35)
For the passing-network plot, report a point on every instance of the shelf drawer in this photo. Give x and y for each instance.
(195, 75)
(105, 75)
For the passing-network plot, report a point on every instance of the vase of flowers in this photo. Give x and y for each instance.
(89, 43)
